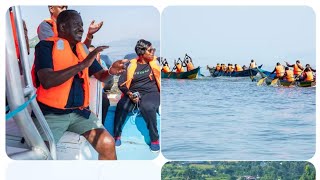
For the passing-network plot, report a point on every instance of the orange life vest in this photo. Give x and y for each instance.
(296, 69)
(253, 65)
(155, 67)
(289, 75)
(218, 67)
(238, 68)
(230, 68)
(224, 68)
(309, 76)
(62, 58)
(179, 68)
(190, 66)
(279, 71)
(165, 69)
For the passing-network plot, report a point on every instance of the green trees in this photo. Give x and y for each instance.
(239, 170)
(309, 173)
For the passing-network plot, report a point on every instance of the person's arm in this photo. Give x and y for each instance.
(300, 67)
(273, 71)
(44, 31)
(289, 64)
(116, 68)
(184, 64)
(123, 88)
(50, 78)
(93, 28)
(313, 70)
(123, 78)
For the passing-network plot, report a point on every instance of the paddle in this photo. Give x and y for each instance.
(172, 70)
(274, 81)
(259, 83)
(262, 79)
(251, 76)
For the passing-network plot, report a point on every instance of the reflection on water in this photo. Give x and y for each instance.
(233, 119)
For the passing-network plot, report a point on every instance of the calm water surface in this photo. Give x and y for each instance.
(234, 119)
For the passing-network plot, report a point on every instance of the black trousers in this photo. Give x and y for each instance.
(148, 105)
(105, 106)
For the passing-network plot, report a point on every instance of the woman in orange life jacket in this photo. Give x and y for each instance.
(288, 75)
(308, 75)
(143, 76)
(279, 69)
(188, 62)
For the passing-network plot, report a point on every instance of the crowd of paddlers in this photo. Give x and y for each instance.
(180, 66)
(288, 72)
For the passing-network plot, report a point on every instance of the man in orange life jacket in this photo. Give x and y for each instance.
(188, 62)
(297, 68)
(307, 75)
(288, 75)
(143, 76)
(279, 69)
(165, 66)
(62, 70)
(308, 66)
(48, 27)
(238, 68)
(252, 64)
(179, 66)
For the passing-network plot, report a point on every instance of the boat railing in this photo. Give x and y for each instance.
(19, 95)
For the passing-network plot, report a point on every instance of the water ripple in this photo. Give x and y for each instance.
(233, 119)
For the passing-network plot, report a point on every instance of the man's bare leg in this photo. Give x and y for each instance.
(102, 142)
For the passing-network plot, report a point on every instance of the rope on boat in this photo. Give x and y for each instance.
(20, 108)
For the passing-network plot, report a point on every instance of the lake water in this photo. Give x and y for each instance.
(234, 119)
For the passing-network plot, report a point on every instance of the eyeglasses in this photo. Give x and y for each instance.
(151, 50)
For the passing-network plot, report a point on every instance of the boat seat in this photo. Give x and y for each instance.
(71, 146)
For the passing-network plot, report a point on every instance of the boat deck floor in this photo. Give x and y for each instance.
(135, 137)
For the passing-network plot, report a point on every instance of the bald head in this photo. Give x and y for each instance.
(70, 26)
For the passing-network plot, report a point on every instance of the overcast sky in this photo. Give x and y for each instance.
(233, 34)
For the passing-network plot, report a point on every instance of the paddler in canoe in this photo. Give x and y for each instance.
(297, 68)
(279, 70)
(188, 62)
(178, 66)
(165, 66)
